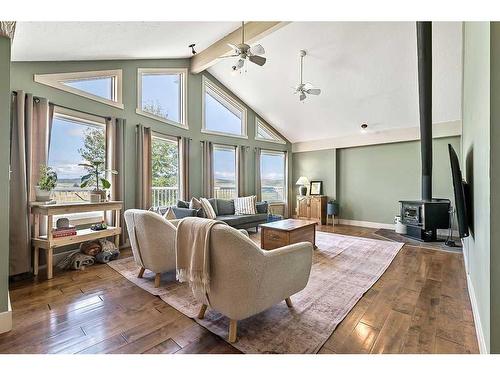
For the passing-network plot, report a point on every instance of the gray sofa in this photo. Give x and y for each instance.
(224, 209)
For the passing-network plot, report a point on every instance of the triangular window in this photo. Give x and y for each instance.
(264, 132)
(101, 86)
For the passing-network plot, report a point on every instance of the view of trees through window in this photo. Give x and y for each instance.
(224, 161)
(73, 142)
(272, 174)
(165, 171)
(161, 95)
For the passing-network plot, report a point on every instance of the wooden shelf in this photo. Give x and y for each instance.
(71, 208)
(81, 235)
(48, 242)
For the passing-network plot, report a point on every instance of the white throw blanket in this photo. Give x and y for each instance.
(193, 257)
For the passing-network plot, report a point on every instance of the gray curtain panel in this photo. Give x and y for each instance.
(184, 145)
(115, 159)
(242, 162)
(208, 169)
(143, 149)
(31, 121)
(257, 173)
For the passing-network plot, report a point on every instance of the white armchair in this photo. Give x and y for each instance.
(153, 241)
(245, 280)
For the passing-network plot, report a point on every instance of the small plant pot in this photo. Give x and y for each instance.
(332, 209)
(42, 195)
(97, 196)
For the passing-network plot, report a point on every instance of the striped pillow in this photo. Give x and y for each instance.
(207, 207)
(245, 205)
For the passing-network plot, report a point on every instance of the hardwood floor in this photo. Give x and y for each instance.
(419, 305)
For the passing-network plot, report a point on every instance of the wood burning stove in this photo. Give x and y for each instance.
(424, 217)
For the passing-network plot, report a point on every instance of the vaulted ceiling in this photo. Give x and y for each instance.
(367, 71)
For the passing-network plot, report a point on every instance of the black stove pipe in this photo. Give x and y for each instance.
(424, 54)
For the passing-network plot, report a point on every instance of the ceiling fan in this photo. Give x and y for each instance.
(304, 88)
(244, 51)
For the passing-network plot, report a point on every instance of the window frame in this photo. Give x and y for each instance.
(56, 80)
(70, 115)
(225, 100)
(285, 172)
(168, 138)
(277, 138)
(183, 72)
(236, 161)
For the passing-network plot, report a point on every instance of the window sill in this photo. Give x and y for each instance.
(212, 132)
(270, 141)
(161, 119)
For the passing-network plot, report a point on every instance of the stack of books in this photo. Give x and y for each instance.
(64, 232)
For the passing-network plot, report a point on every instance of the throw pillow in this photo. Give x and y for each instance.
(207, 207)
(170, 214)
(245, 205)
(195, 204)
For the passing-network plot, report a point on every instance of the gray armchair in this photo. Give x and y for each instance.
(153, 241)
(245, 280)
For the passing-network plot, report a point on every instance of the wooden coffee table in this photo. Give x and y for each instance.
(285, 232)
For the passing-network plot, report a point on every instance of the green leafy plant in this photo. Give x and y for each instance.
(95, 175)
(48, 178)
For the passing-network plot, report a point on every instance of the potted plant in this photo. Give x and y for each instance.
(46, 183)
(96, 177)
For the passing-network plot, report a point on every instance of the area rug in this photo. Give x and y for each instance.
(344, 268)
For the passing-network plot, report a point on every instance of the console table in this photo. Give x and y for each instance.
(49, 243)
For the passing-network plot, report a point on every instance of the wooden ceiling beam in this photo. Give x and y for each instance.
(254, 31)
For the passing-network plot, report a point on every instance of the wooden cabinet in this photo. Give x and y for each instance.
(312, 207)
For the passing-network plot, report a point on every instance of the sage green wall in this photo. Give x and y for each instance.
(368, 181)
(495, 188)
(372, 179)
(476, 162)
(315, 165)
(4, 169)
(22, 78)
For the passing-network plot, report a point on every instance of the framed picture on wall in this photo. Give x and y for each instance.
(316, 188)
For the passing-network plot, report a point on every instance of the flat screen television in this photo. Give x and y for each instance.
(460, 192)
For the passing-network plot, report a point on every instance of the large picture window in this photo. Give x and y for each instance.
(75, 140)
(273, 176)
(221, 113)
(225, 176)
(165, 170)
(162, 95)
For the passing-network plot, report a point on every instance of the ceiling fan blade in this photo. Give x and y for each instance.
(314, 91)
(302, 96)
(259, 60)
(257, 50)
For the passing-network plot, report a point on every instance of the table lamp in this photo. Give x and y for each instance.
(303, 182)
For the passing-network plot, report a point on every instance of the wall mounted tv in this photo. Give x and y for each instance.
(460, 190)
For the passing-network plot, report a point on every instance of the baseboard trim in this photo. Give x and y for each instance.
(366, 224)
(481, 341)
(6, 318)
